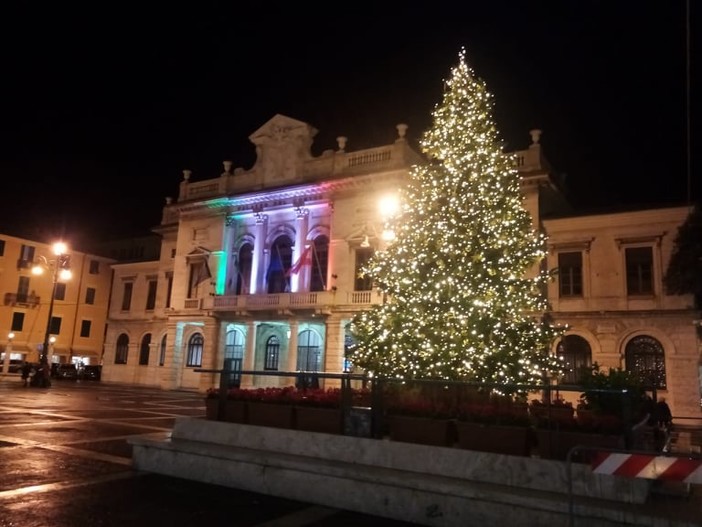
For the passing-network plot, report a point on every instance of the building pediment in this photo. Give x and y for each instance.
(283, 145)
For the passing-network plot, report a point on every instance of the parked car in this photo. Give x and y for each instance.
(66, 371)
(91, 372)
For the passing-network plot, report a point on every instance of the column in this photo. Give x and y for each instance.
(258, 261)
(249, 355)
(292, 351)
(300, 280)
(210, 355)
(334, 333)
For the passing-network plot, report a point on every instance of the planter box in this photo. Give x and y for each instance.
(268, 414)
(426, 431)
(211, 406)
(555, 444)
(498, 439)
(313, 419)
(236, 412)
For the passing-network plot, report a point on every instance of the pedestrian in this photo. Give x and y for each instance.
(25, 370)
(665, 417)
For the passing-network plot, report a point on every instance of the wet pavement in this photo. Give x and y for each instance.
(65, 461)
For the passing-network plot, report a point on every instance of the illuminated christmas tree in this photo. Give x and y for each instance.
(462, 278)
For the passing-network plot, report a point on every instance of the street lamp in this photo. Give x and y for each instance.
(60, 269)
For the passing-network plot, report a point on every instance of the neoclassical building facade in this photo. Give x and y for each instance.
(258, 270)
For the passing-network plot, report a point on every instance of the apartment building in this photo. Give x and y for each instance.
(78, 311)
(258, 269)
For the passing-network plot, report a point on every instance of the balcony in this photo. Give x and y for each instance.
(286, 303)
(22, 299)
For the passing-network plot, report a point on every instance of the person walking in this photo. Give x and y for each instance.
(25, 370)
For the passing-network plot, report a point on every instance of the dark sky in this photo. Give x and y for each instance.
(104, 106)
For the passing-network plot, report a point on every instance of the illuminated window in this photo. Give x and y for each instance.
(122, 349)
(243, 269)
(320, 261)
(195, 347)
(234, 356)
(577, 354)
(277, 276)
(645, 357)
(272, 353)
(309, 351)
(570, 274)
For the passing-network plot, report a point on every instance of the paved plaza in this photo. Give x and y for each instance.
(65, 461)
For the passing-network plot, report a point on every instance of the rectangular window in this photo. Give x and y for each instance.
(639, 270)
(151, 296)
(127, 296)
(94, 267)
(17, 321)
(199, 274)
(85, 328)
(169, 288)
(26, 258)
(90, 295)
(570, 273)
(60, 293)
(2, 247)
(362, 283)
(55, 327)
(23, 289)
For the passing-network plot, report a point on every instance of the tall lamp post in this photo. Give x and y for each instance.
(59, 269)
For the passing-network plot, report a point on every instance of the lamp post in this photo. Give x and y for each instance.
(60, 269)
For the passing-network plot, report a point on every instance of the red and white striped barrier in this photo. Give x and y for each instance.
(667, 468)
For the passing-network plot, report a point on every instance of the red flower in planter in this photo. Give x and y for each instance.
(330, 398)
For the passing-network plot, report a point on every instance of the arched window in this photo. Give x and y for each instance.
(195, 345)
(144, 350)
(644, 356)
(577, 354)
(309, 351)
(281, 259)
(122, 349)
(162, 354)
(234, 355)
(320, 260)
(243, 276)
(272, 353)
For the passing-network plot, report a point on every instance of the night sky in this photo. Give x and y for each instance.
(103, 107)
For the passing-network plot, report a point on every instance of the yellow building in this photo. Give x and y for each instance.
(259, 270)
(78, 313)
